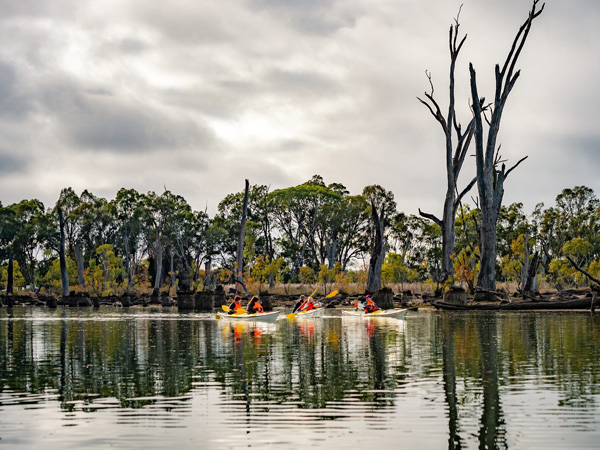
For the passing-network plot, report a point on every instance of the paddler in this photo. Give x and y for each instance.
(310, 304)
(300, 304)
(235, 305)
(369, 305)
(254, 306)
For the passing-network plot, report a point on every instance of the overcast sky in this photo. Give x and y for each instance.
(196, 96)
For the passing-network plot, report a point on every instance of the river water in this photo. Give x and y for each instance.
(140, 378)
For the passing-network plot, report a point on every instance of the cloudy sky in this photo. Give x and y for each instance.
(197, 95)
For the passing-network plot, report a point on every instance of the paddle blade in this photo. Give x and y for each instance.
(332, 294)
(225, 308)
(291, 316)
(217, 316)
(240, 311)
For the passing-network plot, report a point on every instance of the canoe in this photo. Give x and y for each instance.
(397, 313)
(263, 317)
(313, 313)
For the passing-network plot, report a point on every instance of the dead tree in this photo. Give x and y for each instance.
(490, 179)
(64, 276)
(378, 250)
(455, 155)
(239, 276)
(382, 206)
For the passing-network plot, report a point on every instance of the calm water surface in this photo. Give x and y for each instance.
(138, 378)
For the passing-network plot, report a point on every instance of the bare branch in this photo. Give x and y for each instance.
(465, 191)
(514, 167)
(430, 217)
(587, 274)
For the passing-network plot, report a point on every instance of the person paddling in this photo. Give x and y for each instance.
(254, 306)
(235, 305)
(300, 304)
(369, 305)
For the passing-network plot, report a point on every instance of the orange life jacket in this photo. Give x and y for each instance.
(370, 306)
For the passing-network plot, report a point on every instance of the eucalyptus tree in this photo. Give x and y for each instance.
(212, 246)
(512, 223)
(491, 171)
(344, 230)
(68, 232)
(296, 211)
(383, 208)
(188, 230)
(457, 142)
(94, 226)
(230, 211)
(325, 239)
(128, 210)
(159, 227)
(576, 214)
(8, 230)
(28, 236)
(410, 240)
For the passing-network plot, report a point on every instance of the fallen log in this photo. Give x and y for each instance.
(580, 303)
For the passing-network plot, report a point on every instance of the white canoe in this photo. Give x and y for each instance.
(397, 313)
(313, 313)
(263, 317)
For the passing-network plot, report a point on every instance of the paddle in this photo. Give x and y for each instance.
(237, 311)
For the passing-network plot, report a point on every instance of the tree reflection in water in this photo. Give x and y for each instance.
(334, 368)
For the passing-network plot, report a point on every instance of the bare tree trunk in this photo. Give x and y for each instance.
(454, 157)
(490, 179)
(378, 251)
(80, 269)
(159, 263)
(525, 267)
(239, 277)
(10, 277)
(531, 284)
(64, 276)
(209, 280)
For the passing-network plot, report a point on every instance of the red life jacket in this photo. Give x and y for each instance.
(309, 306)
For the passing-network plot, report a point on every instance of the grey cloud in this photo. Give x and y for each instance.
(101, 120)
(320, 17)
(14, 102)
(304, 83)
(11, 162)
(37, 8)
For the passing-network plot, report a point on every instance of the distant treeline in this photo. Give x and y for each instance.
(311, 233)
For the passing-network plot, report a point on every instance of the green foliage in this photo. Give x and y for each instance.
(325, 276)
(307, 275)
(289, 233)
(19, 281)
(103, 272)
(466, 267)
(51, 279)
